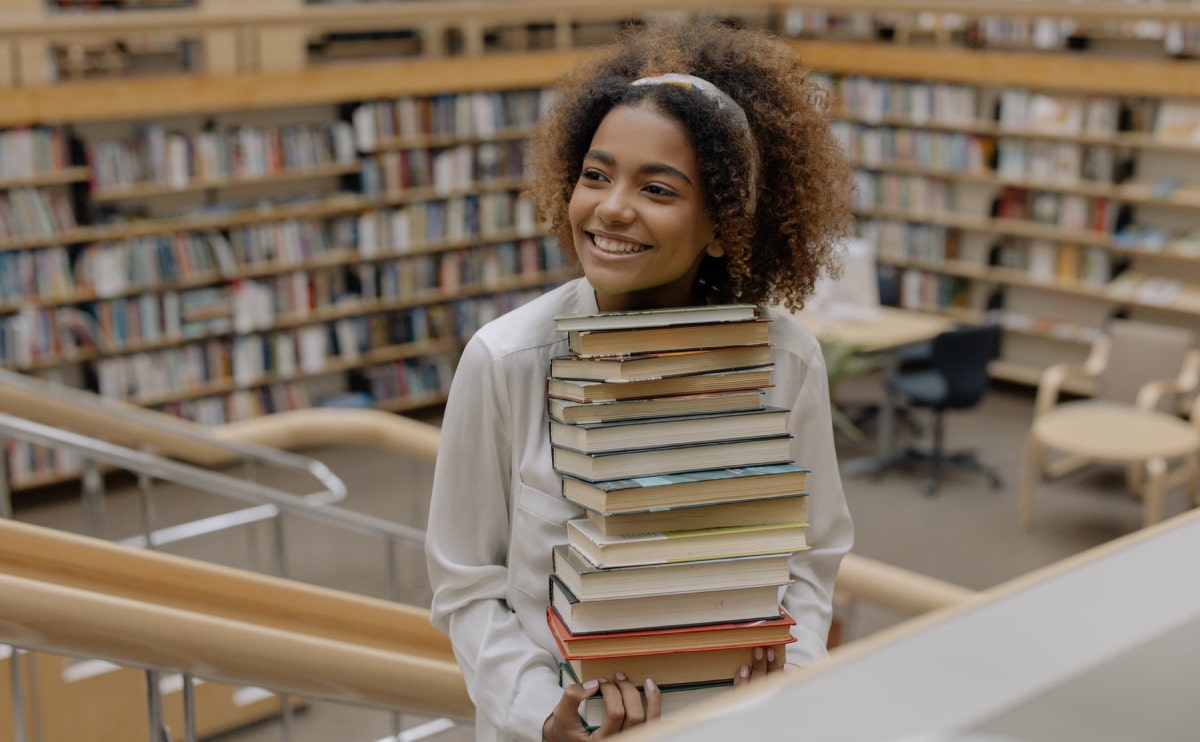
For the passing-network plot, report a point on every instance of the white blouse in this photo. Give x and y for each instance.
(497, 509)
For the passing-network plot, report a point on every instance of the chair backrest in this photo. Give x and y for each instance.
(962, 356)
(1140, 352)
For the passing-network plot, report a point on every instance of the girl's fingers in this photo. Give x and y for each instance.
(614, 711)
(634, 712)
(653, 700)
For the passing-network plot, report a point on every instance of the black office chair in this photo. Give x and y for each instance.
(956, 379)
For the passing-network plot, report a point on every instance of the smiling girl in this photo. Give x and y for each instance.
(686, 164)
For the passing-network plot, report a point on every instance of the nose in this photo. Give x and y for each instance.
(615, 208)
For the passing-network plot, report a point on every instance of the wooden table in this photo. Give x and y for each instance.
(882, 332)
(1114, 434)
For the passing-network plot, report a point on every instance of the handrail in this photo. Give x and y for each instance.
(415, 12)
(204, 480)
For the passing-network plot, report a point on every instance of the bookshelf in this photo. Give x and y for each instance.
(228, 265)
(395, 148)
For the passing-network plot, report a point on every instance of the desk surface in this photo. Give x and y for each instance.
(1121, 621)
(1115, 433)
(892, 328)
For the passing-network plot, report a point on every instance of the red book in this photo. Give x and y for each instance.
(697, 637)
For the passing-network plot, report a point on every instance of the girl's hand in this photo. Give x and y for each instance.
(765, 661)
(623, 709)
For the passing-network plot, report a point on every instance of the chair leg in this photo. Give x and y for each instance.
(1152, 494)
(937, 457)
(1034, 457)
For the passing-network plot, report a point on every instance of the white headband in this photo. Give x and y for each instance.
(723, 101)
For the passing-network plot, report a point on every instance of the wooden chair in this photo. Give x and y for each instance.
(1141, 371)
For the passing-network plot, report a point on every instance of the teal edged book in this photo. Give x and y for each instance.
(674, 698)
(697, 487)
(642, 462)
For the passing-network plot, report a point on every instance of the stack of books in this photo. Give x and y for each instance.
(693, 504)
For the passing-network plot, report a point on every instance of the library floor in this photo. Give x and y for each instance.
(966, 534)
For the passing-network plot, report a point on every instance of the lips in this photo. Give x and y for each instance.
(615, 246)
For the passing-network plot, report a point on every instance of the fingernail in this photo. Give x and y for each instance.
(591, 685)
(650, 686)
(758, 654)
(771, 655)
(621, 676)
(744, 671)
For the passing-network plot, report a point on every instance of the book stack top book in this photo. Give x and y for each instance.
(693, 503)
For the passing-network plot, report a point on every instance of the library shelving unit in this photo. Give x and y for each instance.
(242, 260)
(280, 228)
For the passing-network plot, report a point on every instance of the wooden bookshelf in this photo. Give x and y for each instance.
(264, 92)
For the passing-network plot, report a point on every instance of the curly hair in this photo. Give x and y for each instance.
(804, 208)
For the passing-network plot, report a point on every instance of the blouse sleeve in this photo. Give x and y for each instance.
(830, 533)
(511, 679)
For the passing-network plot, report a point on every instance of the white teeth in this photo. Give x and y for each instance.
(617, 246)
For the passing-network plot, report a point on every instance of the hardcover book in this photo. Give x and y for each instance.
(769, 631)
(661, 611)
(644, 462)
(611, 391)
(702, 487)
(567, 411)
(658, 365)
(683, 546)
(669, 431)
(662, 339)
(786, 509)
(673, 698)
(656, 317)
(670, 668)
(591, 583)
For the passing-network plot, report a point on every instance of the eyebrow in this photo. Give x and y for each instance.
(650, 168)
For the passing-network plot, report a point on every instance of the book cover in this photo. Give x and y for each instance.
(613, 391)
(786, 509)
(671, 459)
(656, 317)
(662, 339)
(673, 698)
(720, 635)
(670, 668)
(663, 611)
(698, 487)
(682, 546)
(659, 365)
(591, 583)
(669, 431)
(568, 411)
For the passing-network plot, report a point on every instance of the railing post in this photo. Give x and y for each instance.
(93, 497)
(189, 708)
(6, 510)
(145, 488)
(18, 694)
(154, 710)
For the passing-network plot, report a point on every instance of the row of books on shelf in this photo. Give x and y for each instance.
(875, 146)
(1069, 211)
(1046, 260)
(1057, 113)
(910, 193)
(877, 99)
(46, 334)
(692, 503)
(31, 150)
(175, 159)
(34, 212)
(1059, 162)
(479, 115)
(406, 228)
(444, 170)
(909, 240)
(111, 269)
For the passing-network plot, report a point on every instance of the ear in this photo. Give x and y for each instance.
(715, 249)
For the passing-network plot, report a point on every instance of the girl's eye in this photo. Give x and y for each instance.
(593, 175)
(657, 190)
